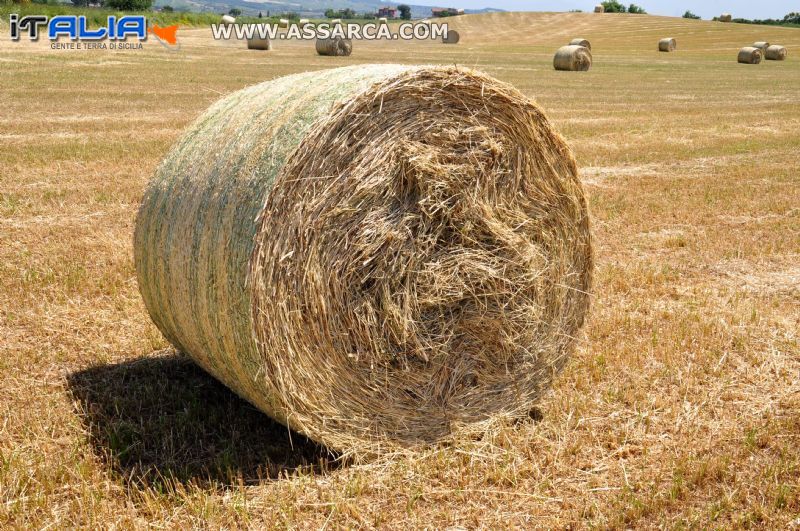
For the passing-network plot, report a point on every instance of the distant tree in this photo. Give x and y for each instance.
(330, 13)
(167, 9)
(612, 6)
(691, 15)
(792, 18)
(637, 10)
(80, 3)
(235, 12)
(260, 15)
(129, 5)
(405, 11)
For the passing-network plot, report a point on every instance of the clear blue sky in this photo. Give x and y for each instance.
(705, 8)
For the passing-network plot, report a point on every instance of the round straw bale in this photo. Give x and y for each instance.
(302, 22)
(259, 44)
(762, 45)
(373, 255)
(336, 21)
(776, 53)
(227, 20)
(283, 23)
(749, 55)
(383, 20)
(667, 45)
(581, 42)
(572, 57)
(451, 37)
(725, 17)
(337, 46)
(599, 9)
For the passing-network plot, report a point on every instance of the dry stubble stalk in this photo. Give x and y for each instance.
(375, 256)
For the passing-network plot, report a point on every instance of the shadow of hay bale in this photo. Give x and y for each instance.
(163, 418)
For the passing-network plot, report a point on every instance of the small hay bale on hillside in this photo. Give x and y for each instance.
(376, 256)
(336, 22)
(761, 45)
(452, 37)
(259, 44)
(725, 17)
(599, 9)
(581, 42)
(667, 45)
(227, 20)
(750, 55)
(573, 58)
(334, 46)
(302, 22)
(776, 52)
(283, 23)
(383, 20)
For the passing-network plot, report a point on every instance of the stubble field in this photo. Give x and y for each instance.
(681, 407)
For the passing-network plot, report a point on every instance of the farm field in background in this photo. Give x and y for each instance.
(681, 406)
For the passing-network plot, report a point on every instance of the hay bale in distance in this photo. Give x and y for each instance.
(302, 22)
(573, 58)
(452, 37)
(581, 42)
(599, 9)
(227, 20)
(259, 44)
(725, 17)
(334, 46)
(761, 45)
(776, 52)
(336, 22)
(667, 45)
(327, 243)
(283, 23)
(749, 55)
(383, 20)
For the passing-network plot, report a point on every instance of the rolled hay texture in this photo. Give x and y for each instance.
(749, 55)
(335, 46)
(667, 45)
(776, 53)
(375, 256)
(259, 44)
(452, 37)
(762, 45)
(581, 42)
(227, 20)
(574, 58)
(599, 9)
(725, 17)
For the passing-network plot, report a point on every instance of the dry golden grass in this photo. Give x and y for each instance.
(680, 409)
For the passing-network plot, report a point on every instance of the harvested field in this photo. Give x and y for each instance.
(680, 407)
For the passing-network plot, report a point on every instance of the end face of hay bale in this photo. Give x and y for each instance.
(452, 37)
(259, 44)
(573, 58)
(334, 46)
(407, 258)
(581, 42)
(749, 55)
(776, 52)
(667, 45)
(599, 9)
(762, 45)
(725, 17)
(227, 19)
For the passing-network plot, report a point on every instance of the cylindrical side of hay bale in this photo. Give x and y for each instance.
(378, 254)
(599, 9)
(383, 20)
(452, 37)
(573, 58)
(227, 19)
(749, 55)
(335, 46)
(725, 17)
(667, 45)
(302, 22)
(283, 23)
(336, 21)
(761, 45)
(776, 53)
(259, 44)
(581, 42)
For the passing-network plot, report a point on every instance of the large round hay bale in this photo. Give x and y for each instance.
(749, 55)
(667, 45)
(335, 46)
(227, 20)
(451, 37)
(378, 254)
(581, 42)
(776, 53)
(599, 9)
(574, 58)
(761, 45)
(259, 44)
(725, 17)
